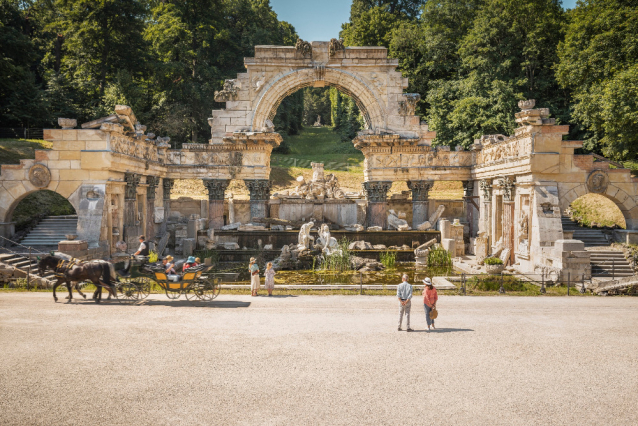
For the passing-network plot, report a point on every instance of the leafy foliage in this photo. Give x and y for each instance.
(599, 64)
(493, 261)
(339, 260)
(439, 257)
(388, 259)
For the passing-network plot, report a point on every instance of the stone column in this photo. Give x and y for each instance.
(486, 188)
(216, 191)
(508, 215)
(167, 185)
(152, 182)
(377, 194)
(420, 190)
(131, 225)
(259, 195)
(468, 193)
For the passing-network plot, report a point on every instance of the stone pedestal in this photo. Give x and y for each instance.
(216, 191)
(420, 204)
(259, 195)
(456, 232)
(445, 228)
(449, 244)
(377, 211)
(74, 248)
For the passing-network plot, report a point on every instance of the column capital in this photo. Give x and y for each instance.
(132, 180)
(377, 191)
(167, 185)
(420, 189)
(259, 189)
(152, 182)
(216, 188)
(508, 186)
(486, 187)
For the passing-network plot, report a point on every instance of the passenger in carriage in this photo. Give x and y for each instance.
(170, 268)
(190, 262)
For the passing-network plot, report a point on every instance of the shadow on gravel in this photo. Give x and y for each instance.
(172, 303)
(444, 330)
(197, 304)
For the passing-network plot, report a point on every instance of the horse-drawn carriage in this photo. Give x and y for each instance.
(136, 276)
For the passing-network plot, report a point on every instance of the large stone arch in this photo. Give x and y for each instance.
(7, 215)
(353, 85)
(570, 192)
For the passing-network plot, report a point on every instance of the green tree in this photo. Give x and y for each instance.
(599, 64)
(22, 100)
(508, 54)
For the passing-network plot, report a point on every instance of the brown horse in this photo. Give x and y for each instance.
(99, 273)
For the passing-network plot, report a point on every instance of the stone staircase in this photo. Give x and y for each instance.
(51, 230)
(609, 264)
(21, 263)
(591, 237)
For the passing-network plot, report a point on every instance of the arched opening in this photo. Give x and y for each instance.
(596, 211)
(36, 213)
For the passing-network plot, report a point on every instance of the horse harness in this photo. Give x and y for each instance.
(64, 266)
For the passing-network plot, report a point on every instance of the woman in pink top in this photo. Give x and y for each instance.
(430, 297)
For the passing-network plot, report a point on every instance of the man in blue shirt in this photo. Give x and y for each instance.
(404, 294)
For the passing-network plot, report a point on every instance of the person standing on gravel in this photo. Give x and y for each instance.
(430, 297)
(404, 294)
(254, 276)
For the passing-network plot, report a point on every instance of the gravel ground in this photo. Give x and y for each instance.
(318, 360)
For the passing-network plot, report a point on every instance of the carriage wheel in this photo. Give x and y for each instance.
(193, 293)
(128, 293)
(173, 295)
(209, 290)
(145, 287)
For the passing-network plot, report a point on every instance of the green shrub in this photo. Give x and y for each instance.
(438, 256)
(388, 259)
(493, 283)
(339, 260)
(493, 261)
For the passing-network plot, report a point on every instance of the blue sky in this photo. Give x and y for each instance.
(321, 20)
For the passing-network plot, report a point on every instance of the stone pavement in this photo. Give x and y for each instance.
(318, 360)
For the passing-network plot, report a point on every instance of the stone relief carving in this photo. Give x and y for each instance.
(432, 158)
(304, 48)
(408, 104)
(39, 175)
(167, 186)
(527, 104)
(257, 81)
(597, 181)
(335, 46)
(497, 147)
(229, 92)
(319, 188)
(67, 123)
(523, 234)
(138, 149)
(152, 182)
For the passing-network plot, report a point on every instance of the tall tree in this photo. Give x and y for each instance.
(508, 54)
(22, 102)
(599, 63)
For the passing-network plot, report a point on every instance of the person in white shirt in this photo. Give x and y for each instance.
(404, 294)
(143, 249)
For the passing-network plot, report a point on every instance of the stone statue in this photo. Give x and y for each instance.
(327, 243)
(319, 188)
(395, 223)
(421, 252)
(304, 240)
(318, 122)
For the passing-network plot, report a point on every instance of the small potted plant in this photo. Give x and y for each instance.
(493, 265)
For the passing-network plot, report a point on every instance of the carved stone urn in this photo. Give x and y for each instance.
(70, 237)
(67, 123)
(494, 269)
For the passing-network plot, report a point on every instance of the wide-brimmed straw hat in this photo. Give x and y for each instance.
(252, 259)
(169, 258)
(427, 281)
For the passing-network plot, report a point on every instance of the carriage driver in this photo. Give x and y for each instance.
(143, 249)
